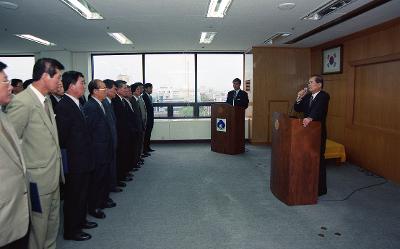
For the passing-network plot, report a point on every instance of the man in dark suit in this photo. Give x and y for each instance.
(138, 124)
(56, 96)
(237, 97)
(76, 144)
(122, 108)
(147, 98)
(314, 104)
(111, 94)
(102, 147)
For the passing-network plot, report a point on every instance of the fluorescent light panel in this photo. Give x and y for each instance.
(121, 38)
(207, 37)
(83, 8)
(35, 39)
(218, 8)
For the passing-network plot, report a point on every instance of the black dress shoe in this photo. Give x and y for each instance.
(127, 179)
(141, 160)
(97, 213)
(134, 169)
(79, 236)
(121, 184)
(130, 175)
(116, 190)
(150, 150)
(110, 204)
(140, 163)
(89, 225)
(146, 154)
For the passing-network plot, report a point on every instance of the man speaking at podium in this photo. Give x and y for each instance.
(237, 97)
(313, 102)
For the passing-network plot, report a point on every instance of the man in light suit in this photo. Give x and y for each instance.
(32, 116)
(14, 203)
(237, 97)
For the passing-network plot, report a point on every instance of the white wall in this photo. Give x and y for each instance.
(185, 129)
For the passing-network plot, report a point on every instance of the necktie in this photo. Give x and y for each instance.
(311, 100)
(47, 108)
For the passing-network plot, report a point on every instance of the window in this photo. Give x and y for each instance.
(19, 67)
(215, 73)
(127, 67)
(177, 93)
(172, 76)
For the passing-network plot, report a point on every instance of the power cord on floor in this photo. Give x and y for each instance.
(367, 173)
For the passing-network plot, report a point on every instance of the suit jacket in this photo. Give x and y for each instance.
(137, 116)
(39, 137)
(100, 132)
(14, 203)
(111, 119)
(149, 110)
(54, 101)
(317, 110)
(241, 98)
(143, 111)
(124, 128)
(74, 136)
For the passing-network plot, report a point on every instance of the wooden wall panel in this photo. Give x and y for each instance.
(364, 112)
(278, 74)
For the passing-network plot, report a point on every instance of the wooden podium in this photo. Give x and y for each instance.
(228, 136)
(295, 160)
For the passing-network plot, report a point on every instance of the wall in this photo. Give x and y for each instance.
(364, 111)
(185, 129)
(278, 74)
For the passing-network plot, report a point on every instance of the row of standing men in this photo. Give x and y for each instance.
(92, 147)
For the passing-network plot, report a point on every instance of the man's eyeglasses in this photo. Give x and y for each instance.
(6, 82)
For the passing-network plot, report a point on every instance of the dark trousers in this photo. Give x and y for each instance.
(21, 243)
(147, 136)
(140, 143)
(322, 189)
(113, 173)
(76, 192)
(99, 186)
(124, 155)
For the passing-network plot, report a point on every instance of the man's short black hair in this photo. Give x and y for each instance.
(2, 66)
(134, 86)
(109, 83)
(147, 85)
(27, 83)
(93, 84)
(120, 83)
(14, 82)
(45, 65)
(237, 80)
(70, 77)
(318, 78)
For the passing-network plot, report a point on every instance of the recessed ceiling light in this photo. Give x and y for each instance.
(8, 5)
(207, 37)
(121, 38)
(286, 6)
(83, 8)
(35, 39)
(218, 8)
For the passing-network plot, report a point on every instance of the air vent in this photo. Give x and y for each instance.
(326, 9)
(280, 35)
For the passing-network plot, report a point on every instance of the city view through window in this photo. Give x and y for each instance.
(174, 78)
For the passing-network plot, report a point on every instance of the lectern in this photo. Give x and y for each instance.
(227, 128)
(295, 160)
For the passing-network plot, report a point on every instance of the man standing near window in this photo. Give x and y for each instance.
(32, 116)
(148, 100)
(237, 97)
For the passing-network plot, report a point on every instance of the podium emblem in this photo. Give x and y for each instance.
(276, 124)
(221, 124)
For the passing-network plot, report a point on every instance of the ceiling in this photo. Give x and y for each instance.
(173, 25)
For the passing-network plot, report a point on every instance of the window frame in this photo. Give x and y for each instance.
(170, 105)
